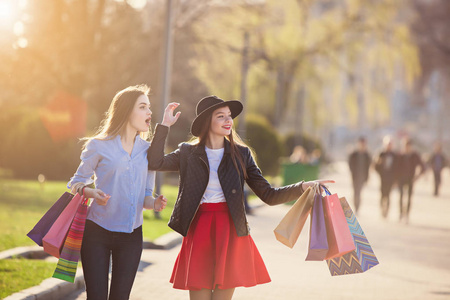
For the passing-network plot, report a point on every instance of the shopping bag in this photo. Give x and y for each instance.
(54, 239)
(359, 260)
(43, 226)
(339, 238)
(70, 253)
(291, 225)
(318, 244)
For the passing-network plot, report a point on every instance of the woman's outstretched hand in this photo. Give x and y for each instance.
(169, 118)
(324, 182)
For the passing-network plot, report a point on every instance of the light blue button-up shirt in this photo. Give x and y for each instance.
(123, 176)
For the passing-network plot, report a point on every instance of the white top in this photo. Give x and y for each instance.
(213, 192)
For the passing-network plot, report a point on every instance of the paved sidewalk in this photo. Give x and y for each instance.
(414, 258)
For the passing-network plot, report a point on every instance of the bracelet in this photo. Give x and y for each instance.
(154, 201)
(301, 186)
(78, 189)
(82, 190)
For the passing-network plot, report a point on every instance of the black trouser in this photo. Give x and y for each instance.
(98, 246)
(386, 186)
(357, 187)
(409, 183)
(437, 182)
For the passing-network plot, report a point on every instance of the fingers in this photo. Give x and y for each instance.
(322, 181)
(160, 203)
(102, 198)
(172, 106)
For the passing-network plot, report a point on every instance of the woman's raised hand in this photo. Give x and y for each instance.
(169, 118)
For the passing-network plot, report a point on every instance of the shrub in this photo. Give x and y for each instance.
(262, 137)
(294, 139)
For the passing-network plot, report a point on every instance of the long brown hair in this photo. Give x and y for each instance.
(119, 112)
(233, 138)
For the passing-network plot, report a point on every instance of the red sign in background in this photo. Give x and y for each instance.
(64, 116)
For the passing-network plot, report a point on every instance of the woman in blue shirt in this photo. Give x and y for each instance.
(116, 156)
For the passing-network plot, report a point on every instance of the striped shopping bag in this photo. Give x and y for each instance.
(359, 260)
(70, 254)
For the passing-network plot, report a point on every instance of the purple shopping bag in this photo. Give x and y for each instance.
(318, 244)
(45, 223)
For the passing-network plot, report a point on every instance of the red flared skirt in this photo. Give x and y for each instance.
(214, 256)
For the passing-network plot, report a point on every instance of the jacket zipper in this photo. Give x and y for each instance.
(198, 206)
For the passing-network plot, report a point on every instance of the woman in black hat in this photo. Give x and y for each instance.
(218, 253)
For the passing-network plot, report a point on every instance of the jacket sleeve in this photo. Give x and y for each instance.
(156, 159)
(264, 190)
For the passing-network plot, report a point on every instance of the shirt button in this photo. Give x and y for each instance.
(233, 191)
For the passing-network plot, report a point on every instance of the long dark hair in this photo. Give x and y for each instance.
(235, 141)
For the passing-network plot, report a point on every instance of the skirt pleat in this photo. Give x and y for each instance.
(213, 256)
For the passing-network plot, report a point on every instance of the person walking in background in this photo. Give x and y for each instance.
(117, 156)
(409, 160)
(386, 166)
(359, 162)
(217, 254)
(437, 162)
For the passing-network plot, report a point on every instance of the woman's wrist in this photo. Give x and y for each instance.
(149, 202)
(301, 186)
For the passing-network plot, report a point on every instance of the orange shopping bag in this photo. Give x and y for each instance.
(291, 225)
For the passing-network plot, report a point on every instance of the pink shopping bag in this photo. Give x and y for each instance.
(53, 241)
(339, 237)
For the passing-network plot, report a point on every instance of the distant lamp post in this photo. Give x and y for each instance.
(167, 74)
(244, 73)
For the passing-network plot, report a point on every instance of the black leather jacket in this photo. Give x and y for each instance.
(191, 162)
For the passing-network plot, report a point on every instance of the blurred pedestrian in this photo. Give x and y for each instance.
(299, 155)
(116, 156)
(386, 165)
(437, 162)
(409, 160)
(316, 157)
(217, 254)
(359, 162)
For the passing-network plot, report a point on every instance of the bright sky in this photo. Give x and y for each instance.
(137, 4)
(8, 13)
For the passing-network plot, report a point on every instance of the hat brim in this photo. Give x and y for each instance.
(235, 106)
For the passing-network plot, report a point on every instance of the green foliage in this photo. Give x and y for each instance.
(262, 137)
(331, 50)
(29, 151)
(19, 274)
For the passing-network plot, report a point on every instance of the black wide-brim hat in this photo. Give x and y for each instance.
(207, 105)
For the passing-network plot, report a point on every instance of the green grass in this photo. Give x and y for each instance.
(19, 274)
(153, 227)
(22, 204)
